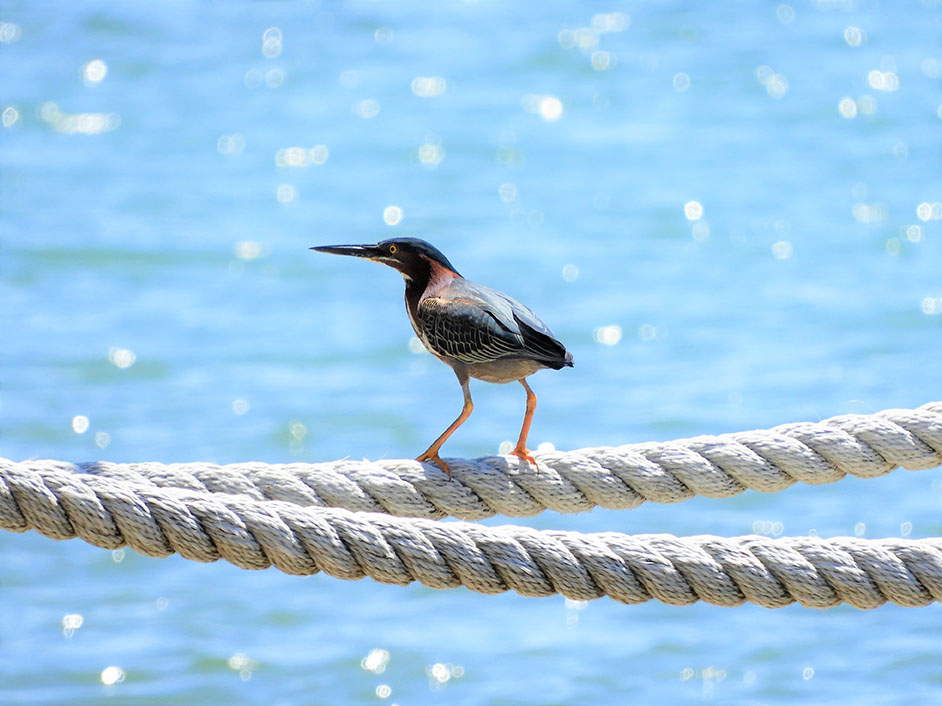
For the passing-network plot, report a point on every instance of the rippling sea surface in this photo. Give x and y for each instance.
(730, 213)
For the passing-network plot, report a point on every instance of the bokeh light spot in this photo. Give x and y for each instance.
(121, 357)
(392, 215)
(70, 623)
(375, 661)
(607, 335)
(428, 86)
(243, 664)
(271, 42)
(927, 211)
(431, 154)
(367, 109)
(700, 230)
(883, 80)
(867, 105)
(94, 72)
(605, 22)
(297, 430)
(776, 85)
(603, 60)
(869, 212)
(247, 249)
(785, 14)
(10, 116)
(647, 332)
(854, 36)
(301, 156)
(78, 123)
(681, 82)
(9, 32)
(285, 193)
(440, 673)
(782, 250)
(551, 108)
(586, 38)
(693, 210)
(548, 107)
(274, 78)
(931, 306)
(112, 675)
(230, 144)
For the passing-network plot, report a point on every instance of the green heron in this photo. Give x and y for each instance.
(480, 332)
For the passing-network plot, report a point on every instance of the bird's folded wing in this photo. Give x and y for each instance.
(467, 331)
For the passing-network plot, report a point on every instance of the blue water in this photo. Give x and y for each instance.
(728, 212)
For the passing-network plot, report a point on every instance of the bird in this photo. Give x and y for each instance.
(480, 332)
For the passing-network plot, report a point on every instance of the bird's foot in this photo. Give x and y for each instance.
(524, 454)
(434, 458)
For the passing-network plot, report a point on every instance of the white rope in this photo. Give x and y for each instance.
(253, 534)
(865, 446)
(257, 516)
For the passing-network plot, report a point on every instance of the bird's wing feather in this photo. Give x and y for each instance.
(539, 342)
(542, 345)
(468, 331)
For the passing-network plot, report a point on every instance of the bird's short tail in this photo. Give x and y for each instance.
(563, 360)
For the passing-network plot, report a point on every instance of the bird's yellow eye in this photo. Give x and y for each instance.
(393, 249)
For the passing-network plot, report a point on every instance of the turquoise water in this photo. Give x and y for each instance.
(729, 213)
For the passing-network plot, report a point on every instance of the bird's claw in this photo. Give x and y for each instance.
(524, 454)
(434, 458)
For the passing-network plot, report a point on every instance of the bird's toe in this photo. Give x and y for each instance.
(525, 455)
(434, 458)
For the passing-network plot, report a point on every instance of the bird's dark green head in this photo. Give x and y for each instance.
(413, 257)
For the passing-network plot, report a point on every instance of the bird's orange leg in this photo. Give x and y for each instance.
(520, 450)
(431, 453)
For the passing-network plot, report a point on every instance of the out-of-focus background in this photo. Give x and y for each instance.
(730, 213)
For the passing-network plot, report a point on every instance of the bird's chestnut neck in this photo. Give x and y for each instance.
(427, 275)
(426, 280)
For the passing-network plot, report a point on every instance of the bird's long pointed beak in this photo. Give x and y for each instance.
(367, 251)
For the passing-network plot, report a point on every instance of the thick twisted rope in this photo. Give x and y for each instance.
(861, 445)
(256, 534)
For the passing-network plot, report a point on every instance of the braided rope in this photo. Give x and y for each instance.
(256, 534)
(623, 477)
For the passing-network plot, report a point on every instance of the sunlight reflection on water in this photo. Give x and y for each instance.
(731, 216)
